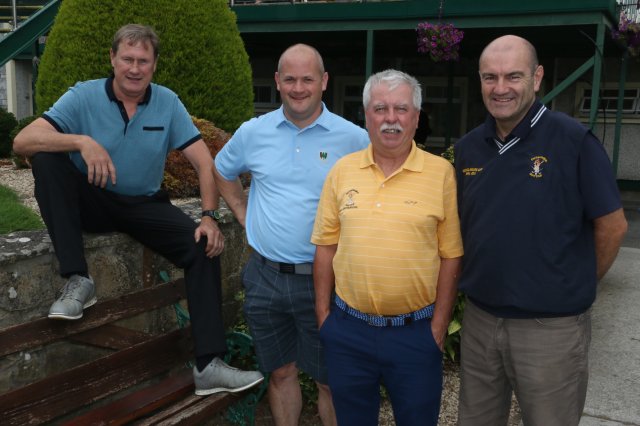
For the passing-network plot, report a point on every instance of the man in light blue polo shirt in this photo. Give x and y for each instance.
(125, 126)
(288, 153)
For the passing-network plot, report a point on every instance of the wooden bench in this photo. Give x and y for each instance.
(144, 378)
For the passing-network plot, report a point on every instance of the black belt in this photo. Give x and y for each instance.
(288, 268)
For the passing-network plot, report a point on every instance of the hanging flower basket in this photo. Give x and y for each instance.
(440, 41)
(628, 33)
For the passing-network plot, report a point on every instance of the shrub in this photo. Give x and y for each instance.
(180, 178)
(21, 162)
(7, 123)
(202, 56)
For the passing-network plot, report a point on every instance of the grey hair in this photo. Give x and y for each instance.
(392, 78)
(134, 33)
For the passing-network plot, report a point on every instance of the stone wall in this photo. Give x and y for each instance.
(29, 283)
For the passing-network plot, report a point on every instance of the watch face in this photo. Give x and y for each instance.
(215, 214)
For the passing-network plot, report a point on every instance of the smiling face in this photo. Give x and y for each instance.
(392, 118)
(509, 79)
(301, 80)
(133, 68)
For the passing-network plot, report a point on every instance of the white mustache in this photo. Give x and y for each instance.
(395, 127)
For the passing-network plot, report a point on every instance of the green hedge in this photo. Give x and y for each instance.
(202, 57)
(7, 123)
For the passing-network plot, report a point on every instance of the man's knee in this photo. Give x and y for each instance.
(284, 374)
(47, 160)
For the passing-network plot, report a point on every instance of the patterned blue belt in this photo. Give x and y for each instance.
(386, 321)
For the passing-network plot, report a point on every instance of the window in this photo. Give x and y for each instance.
(434, 101)
(608, 101)
(266, 97)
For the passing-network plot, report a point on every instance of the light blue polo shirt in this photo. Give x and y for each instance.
(138, 147)
(288, 167)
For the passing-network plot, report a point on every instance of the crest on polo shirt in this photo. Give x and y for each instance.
(350, 203)
(537, 166)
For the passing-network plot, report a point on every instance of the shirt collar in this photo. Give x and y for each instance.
(520, 132)
(323, 119)
(112, 95)
(414, 162)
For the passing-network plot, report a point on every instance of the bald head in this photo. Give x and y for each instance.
(514, 45)
(298, 51)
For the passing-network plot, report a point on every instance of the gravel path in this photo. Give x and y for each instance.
(21, 181)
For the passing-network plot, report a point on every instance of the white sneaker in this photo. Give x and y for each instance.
(220, 377)
(78, 293)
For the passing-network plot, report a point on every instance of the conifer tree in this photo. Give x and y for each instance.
(202, 57)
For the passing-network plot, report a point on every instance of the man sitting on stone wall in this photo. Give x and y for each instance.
(126, 124)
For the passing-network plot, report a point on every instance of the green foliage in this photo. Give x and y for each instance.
(20, 161)
(452, 343)
(202, 56)
(7, 123)
(448, 154)
(14, 216)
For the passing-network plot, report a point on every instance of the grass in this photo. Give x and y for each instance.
(14, 216)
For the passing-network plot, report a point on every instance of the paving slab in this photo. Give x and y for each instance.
(613, 396)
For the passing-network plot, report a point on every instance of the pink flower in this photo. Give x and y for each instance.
(439, 41)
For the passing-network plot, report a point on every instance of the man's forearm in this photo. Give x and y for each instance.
(323, 280)
(41, 136)
(233, 195)
(447, 291)
(608, 232)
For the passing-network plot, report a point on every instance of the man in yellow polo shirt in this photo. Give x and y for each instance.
(388, 240)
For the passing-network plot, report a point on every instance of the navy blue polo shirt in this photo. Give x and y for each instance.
(138, 146)
(526, 206)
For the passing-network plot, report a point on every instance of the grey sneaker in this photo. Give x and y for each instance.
(220, 377)
(78, 293)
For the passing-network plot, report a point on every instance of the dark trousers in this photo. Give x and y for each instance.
(70, 205)
(360, 357)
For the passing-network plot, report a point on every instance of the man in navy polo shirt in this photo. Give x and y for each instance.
(541, 222)
(98, 159)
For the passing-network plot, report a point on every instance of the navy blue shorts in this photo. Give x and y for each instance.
(280, 311)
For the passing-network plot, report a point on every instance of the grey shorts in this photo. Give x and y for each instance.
(280, 311)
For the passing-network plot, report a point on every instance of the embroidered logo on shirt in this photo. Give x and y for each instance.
(536, 166)
(323, 155)
(471, 171)
(350, 204)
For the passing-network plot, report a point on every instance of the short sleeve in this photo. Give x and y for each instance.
(63, 114)
(230, 161)
(326, 229)
(597, 180)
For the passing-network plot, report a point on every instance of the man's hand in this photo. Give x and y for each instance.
(321, 315)
(100, 168)
(215, 239)
(439, 334)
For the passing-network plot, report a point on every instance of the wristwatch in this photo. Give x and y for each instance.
(213, 214)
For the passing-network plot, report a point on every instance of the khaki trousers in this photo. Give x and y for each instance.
(543, 360)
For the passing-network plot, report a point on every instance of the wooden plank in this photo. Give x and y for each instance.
(44, 330)
(63, 393)
(139, 403)
(193, 410)
(111, 336)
